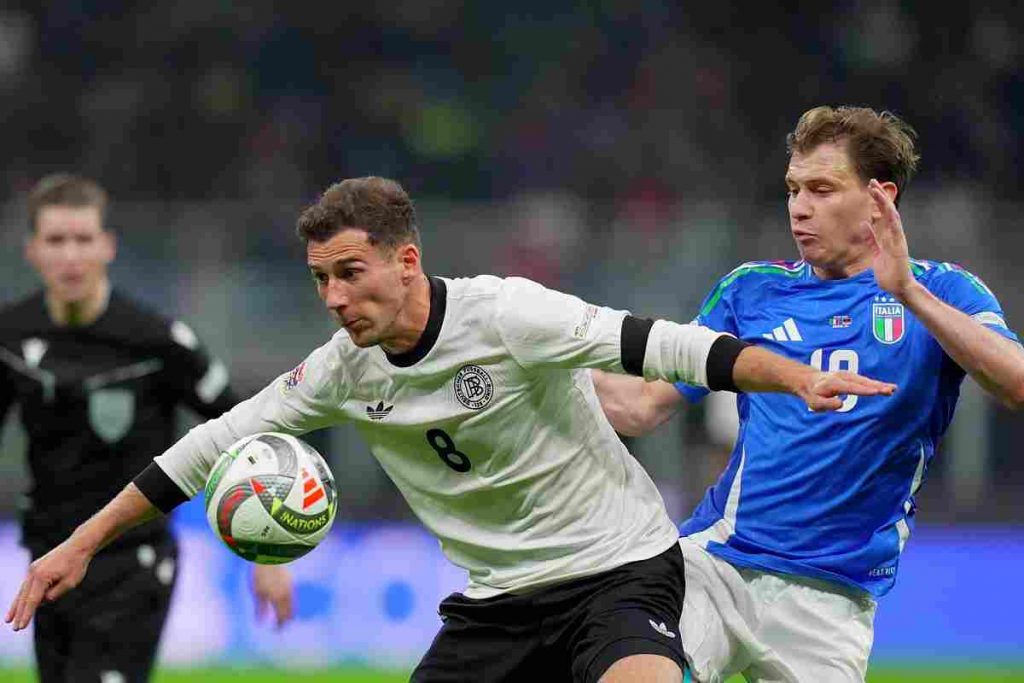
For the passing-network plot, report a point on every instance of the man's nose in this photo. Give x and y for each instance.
(799, 206)
(336, 294)
(69, 251)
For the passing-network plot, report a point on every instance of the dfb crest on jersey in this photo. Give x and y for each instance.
(887, 320)
(473, 387)
(111, 413)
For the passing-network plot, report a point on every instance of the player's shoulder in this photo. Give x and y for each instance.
(483, 294)
(125, 306)
(30, 309)
(338, 350)
(765, 270)
(476, 286)
(752, 276)
(939, 273)
(131, 318)
(484, 304)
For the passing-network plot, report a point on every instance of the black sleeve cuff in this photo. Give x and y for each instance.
(158, 488)
(634, 343)
(721, 359)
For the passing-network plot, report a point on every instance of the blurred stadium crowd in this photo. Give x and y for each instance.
(478, 100)
(629, 151)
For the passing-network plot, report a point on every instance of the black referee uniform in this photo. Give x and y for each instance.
(97, 403)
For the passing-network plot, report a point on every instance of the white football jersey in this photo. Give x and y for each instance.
(490, 428)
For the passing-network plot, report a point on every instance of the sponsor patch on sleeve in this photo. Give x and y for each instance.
(293, 378)
(583, 327)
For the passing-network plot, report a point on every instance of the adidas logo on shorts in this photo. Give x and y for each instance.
(661, 628)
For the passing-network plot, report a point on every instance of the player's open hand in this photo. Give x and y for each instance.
(891, 262)
(825, 388)
(49, 577)
(272, 586)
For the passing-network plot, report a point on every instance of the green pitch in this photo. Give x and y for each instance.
(987, 673)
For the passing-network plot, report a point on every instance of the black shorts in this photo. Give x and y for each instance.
(573, 631)
(112, 621)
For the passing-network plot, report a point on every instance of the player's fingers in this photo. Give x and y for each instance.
(261, 606)
(879, 195)
(886, 206)
(56, 590)
(283, 609)
(849, 382)
(859, 387)
(872, 239)
(825, 403)
(29, 601)
(13, 609)
(18, 608)
(880, 232)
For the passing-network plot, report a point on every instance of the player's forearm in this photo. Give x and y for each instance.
(633, 406)
(996, 363)
(679, 353)
(128, 509)
(759, 370)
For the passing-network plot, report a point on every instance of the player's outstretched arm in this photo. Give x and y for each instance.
(995, 363)
(633, 405)
(697, 355)
(760, 370)
(64, 567)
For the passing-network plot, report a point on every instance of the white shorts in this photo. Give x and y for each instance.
(771, 627)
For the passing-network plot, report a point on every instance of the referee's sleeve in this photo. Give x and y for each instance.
(203, 380)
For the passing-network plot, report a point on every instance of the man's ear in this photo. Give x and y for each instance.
(891, 190)
(31, 251)
(109, 246)
(409, 260)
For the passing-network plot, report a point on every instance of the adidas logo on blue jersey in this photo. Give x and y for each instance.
(378, 413)
(787, 331)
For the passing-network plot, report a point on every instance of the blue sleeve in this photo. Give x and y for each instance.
(716, 313)
(965, 291)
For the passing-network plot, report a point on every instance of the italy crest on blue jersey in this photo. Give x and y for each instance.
(831, 495)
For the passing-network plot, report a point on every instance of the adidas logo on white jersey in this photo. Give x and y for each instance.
(785, 332)
(661, 628)
(379, 412)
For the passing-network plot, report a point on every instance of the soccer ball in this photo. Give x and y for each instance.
(271, 498)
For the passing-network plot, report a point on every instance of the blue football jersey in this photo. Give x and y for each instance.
(831, 495)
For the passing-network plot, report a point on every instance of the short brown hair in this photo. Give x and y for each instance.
(377, 205)
(880, 144)
(65, 189)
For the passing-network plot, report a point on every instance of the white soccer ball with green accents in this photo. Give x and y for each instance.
(271, 498)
